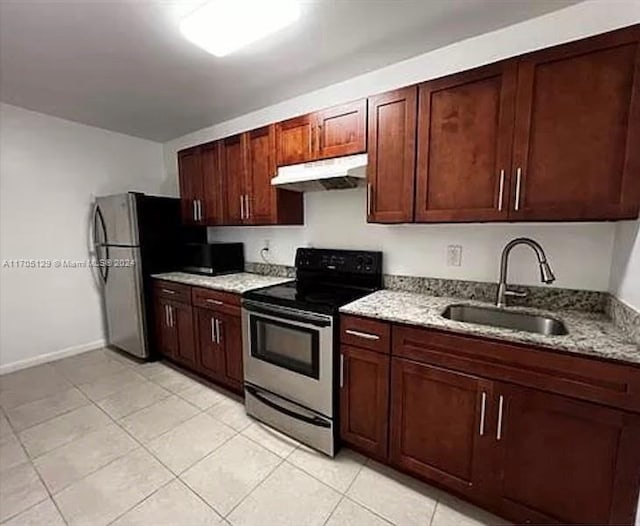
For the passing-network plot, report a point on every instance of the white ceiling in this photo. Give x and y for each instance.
(124, 66)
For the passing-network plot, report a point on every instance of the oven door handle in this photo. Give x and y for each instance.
(288, 314)
(315, 421)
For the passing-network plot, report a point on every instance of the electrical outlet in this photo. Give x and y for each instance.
(265, 245)
(454, 255)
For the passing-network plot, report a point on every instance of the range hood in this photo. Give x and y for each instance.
(330, 174)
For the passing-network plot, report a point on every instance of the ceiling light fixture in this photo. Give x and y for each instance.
(223, 26)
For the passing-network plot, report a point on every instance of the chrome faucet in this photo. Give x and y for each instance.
(546, 275)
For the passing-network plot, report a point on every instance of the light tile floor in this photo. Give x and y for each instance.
(101, 439)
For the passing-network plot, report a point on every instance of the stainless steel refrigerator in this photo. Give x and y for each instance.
(138, 235)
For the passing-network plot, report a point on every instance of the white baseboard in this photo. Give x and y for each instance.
(52, 356)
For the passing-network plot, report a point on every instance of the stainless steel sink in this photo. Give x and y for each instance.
(520, 321)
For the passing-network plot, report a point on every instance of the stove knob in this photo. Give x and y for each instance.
(359, 263)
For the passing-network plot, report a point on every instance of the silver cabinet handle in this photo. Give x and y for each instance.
(199, 210)
(518, 181)
(214, 302)
(217, 331)
(500, 407)
(195, 210)
(168, 291)
(369, 197)
(170, 316)
(166, 315)
(341, 370)
(483, 410)
(501, 191)
(247, 208)
(364, 335)
(241, 207)
(214, 339)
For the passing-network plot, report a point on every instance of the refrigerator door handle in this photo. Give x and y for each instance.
(99, 219)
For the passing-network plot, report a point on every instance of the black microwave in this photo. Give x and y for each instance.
(212, 258)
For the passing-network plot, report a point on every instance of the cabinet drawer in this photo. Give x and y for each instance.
(172, 291)
(591, 379)
(365, 333)
(216, 300)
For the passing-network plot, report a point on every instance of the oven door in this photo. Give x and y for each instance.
(290, 353)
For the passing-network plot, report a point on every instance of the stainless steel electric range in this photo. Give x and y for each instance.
(290, 333)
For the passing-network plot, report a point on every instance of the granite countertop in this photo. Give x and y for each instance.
(592, 334)
(239, 282)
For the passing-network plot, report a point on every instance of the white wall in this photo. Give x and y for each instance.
(625, 267)
(49, 171)
(580, 253)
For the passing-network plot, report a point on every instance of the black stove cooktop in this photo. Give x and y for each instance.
(327, 280)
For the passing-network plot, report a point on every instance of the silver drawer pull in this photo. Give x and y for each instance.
(213, 331)
(483, 410)
(364, 335)
(500, 407)
(168, 291)
(214, 302)
(218, 331)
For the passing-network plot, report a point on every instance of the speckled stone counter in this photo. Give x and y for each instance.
(590, 333)
(238, 283)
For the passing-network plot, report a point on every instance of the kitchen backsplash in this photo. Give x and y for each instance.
(551, 298)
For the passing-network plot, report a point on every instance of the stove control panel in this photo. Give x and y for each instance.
(344, 261)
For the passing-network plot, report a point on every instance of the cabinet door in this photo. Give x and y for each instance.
(364, 400)
(210, 350)
(440, 426)
(212, 191)
(261, 168)
(465, 134)
(231, 338)
(566, 461)
(234, 176)
(190, 180)
(577, 131)
(295, 140)
(391, 163)
(342, 130)
(181, 319)
(166, 335)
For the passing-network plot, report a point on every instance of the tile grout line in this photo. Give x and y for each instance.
(35, 470)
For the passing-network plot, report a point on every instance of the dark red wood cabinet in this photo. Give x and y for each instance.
(549, 136)
(391, 156)
(465, 135)
(577, 131)
(534, 436)
(364, 400)
(200, 329)
(174, 324)
(333, 132)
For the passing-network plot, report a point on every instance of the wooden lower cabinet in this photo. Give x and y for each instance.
(440, 427)
(174, 331)
(514, 429)
(364, 400)
(565, 461)
(207, 341)
(220, 347)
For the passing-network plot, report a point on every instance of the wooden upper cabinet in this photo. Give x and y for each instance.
(234, 167)
(551, 448)
(341, 130)
(261, 167)
(465, 133)
(391, 156)
(212, 184)
(577, 131)
(190, 179)
(440, 426)
(334, 132)
(295, 141)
